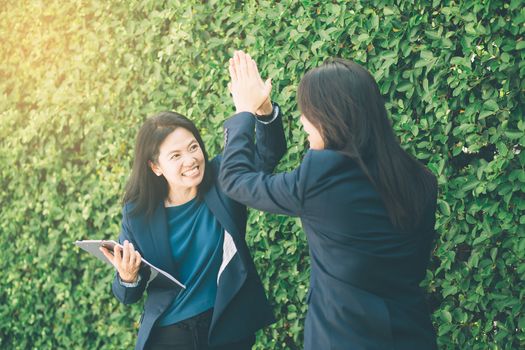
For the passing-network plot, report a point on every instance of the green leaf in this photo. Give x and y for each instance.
(388, 11)
(491, 105)
(444, 208)
(502, 148)
(446, 316)
(514, 134)
(362, 37)
(473, 260)
(450, 290)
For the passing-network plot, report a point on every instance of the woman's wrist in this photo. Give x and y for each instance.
(265, 110)
(129, 279)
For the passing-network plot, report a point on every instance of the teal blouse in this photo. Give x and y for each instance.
(196, 240)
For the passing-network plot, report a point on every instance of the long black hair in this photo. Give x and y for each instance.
(144, 189)
(342, 100)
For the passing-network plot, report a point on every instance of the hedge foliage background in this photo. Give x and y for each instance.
(77, 78)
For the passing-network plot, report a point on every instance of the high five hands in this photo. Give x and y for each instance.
(250, 93)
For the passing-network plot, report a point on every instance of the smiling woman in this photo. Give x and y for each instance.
(182, 163)
(168, 146)
(175, 216)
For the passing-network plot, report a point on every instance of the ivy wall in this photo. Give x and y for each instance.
(77, 78)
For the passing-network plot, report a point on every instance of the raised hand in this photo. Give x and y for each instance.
(249, 92)
(126, 260)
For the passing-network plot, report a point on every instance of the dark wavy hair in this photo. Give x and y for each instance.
(144, 189)
(342, 100)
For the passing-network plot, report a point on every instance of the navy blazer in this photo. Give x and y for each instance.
(241, 307)
(365, 274)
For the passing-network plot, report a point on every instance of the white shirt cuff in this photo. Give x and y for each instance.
(275, 112)
(126, 284)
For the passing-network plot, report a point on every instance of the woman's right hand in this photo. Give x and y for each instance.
(126, 260)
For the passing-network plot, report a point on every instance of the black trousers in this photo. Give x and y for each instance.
(190, 334)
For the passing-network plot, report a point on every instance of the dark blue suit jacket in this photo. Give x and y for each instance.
(365, 274)
(241, 307)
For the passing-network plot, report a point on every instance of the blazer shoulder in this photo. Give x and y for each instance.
(322, 163)
(322, 171)
(130, 218)
(327, 155)
(127, 208)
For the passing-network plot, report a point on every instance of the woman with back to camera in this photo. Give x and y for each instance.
(178, 218)
(367, 207)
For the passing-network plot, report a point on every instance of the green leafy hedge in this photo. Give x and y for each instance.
(77, 78)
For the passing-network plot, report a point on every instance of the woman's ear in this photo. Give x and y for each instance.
(155, 168)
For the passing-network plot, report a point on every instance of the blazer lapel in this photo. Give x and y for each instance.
(158, 229)
(217, 207)
(232, 274)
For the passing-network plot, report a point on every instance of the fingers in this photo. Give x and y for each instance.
(242, 67)
(125, 256)
(250, 73)
(108, 255)
(268, 87)
(237, 65)
(233, 73)
(255, 70)
(125, 253)
(117, 250)
(125, 259)
(131, 254)
(138, 258)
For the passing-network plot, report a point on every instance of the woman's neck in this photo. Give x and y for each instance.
(180, 196)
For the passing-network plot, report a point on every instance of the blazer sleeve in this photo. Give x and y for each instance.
(270, 142)
(242, 181)
(129, 295)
